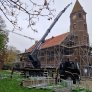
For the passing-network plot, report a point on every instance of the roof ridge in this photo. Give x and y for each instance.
(57, 36)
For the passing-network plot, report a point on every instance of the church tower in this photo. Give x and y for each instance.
(78, 25)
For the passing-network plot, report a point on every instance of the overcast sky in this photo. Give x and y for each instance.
(62, 26)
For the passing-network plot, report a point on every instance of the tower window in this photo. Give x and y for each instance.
(74, 26)
(80, 15)
(85, 26)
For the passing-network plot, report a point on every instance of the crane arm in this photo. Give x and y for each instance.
(34, 60)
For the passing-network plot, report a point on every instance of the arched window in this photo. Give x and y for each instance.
(79, 15)
(74, 26)
(85, 26)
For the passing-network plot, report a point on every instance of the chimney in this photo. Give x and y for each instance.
(36, 41)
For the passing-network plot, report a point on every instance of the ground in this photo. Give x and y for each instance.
(86, 83)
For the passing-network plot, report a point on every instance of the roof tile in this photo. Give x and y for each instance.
(51, 42)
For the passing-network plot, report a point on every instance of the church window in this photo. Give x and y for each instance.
(85, 26)
(80, 15)
(74, 25)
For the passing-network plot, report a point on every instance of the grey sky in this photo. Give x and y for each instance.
(62, 26)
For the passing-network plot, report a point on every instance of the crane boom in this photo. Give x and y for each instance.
(33, 57)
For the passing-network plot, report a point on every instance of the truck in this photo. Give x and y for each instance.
(69, 70)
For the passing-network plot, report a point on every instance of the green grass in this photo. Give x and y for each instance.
(13, 85)
(79, 89)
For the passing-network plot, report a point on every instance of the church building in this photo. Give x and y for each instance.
(73, 45)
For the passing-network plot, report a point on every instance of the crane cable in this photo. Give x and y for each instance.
(22, 35)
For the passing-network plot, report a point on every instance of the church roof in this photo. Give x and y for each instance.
(77, 7)
(51, 42)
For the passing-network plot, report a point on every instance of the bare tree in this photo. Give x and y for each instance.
(31, 9)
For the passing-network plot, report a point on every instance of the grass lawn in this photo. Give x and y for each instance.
(8, 85)
(13, 85)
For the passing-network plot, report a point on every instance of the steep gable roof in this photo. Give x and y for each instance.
(77, 7)
(51, 42)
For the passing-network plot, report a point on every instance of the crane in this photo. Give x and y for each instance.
(33, 55)
(67, 69)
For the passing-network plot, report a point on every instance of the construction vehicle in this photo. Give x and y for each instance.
(69, 70)
(33, 54)
(34, 59)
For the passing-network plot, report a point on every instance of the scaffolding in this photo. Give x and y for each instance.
(81, 52)
(71, 48)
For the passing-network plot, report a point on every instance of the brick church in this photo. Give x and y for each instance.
(73, 45)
